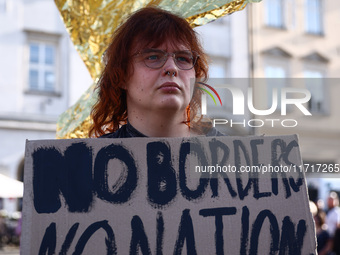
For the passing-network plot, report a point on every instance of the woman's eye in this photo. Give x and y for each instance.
(184, 58)
(153, 57)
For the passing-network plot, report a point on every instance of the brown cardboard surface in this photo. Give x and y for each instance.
(147, 196)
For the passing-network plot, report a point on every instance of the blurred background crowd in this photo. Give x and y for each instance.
(10, 229)
(326, 216)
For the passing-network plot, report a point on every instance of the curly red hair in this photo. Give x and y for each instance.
(150, 27)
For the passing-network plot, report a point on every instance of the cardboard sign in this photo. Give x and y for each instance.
(221, 195)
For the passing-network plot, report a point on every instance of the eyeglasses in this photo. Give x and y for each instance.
(155, 58)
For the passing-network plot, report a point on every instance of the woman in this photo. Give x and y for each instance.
(149, 84)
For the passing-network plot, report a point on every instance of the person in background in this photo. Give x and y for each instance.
(333, 223)
(336, 242)
(149, 86)
(2, 228)
(322, 235)
(333, 213)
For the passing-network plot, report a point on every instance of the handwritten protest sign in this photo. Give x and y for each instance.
(223, 195)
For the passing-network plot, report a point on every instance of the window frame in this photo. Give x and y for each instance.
(309, 29)
(280, 62)
(318, 68)
(43, 40)
(3, 6)
(275, 22)
(222, 62)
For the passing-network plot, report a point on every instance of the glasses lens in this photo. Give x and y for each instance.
(185, 60)
(153, 58)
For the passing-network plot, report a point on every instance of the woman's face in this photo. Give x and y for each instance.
(167, 88)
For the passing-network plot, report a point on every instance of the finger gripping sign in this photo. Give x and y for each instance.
(221, 195)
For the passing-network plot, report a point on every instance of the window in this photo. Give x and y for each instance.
(313, 17)
(315, 70)
(219, 67)
(217, 70)
(3, 6)
(275, 75)
(276, 70)
(42, 66)
(43, 63)
(315, 85)
(274, 13)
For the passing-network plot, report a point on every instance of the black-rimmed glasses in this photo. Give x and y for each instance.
(155, 58)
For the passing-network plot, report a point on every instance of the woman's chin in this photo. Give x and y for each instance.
(171, 104)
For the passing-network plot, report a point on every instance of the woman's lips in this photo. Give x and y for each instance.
(169, 87)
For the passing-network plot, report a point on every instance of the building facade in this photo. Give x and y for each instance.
(295, 44)
(41, 75)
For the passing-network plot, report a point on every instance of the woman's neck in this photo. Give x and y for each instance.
(159, 124)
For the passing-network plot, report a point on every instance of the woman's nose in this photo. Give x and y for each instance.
(170, 67)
